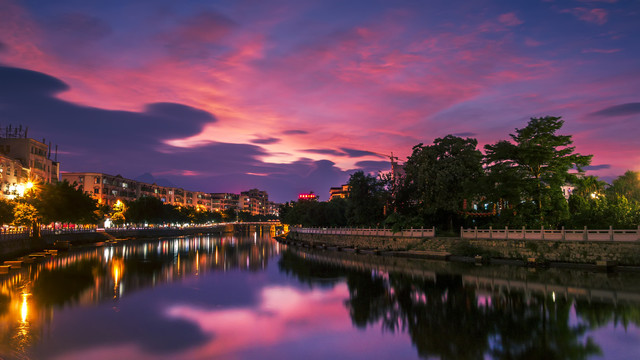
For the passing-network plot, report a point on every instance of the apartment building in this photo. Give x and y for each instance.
(24, 161)
(224, 201)
(339, 192)
(108, 189)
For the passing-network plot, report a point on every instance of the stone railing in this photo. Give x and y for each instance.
(413, 233)
(543, 234)
(13, 233)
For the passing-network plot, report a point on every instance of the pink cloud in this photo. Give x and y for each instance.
(600, 51)
(509, 19)
(532, 43)
(595, 16)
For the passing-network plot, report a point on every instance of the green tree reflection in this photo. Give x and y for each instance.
(448, 320)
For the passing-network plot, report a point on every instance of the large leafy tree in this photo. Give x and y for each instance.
(438, 178)
(62, 202)
(145, 209)
(627, 185)
(6, 211)
(368, 196)
(531, 168)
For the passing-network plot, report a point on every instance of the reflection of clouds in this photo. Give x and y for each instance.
(284, 313)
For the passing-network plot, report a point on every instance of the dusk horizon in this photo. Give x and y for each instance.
(291, 97)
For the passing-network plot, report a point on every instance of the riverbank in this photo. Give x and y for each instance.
(596, 255)
(14, 248)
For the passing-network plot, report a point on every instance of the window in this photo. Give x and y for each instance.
(96, 190)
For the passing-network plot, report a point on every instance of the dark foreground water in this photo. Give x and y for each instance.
(248, 297)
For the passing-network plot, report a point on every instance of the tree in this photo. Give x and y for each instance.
(627, 185)
(533, 167)
(368, 196)
(439, 178)
(64, 203)
(6, 211)
(589, 186)
(118, 218)
(25, 214)
(146, 209)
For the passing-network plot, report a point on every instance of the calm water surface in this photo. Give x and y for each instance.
(248, 297)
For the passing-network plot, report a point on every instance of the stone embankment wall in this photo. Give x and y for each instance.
(580, 252)
(383, 243)
(586, 252)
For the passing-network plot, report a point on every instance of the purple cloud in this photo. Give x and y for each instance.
(510, 19)
(600, 51)
(597, 167)
(618, 110)
(265, 141)
(594, 16)
(295, 132)
(325, 152)
(359, 153)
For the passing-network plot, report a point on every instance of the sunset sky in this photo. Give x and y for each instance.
(291, 95)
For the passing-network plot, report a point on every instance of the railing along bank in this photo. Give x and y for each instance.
(545, 234)
(416, 233)
(24, 233)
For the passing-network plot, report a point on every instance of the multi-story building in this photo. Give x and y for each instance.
(24, 162)
(339, 192)
(108, 189)
(34, 155)
(273, 209)
(13, 177)
(255, 201)
(224, 201)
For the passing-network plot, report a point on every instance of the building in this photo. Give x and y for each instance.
(23, 162)
(13, 177)
(254, 201)
(310, 196)
(108, 189)
(34, 155)
(224, 201)
(339, 192)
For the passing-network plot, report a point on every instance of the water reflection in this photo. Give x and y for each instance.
(459, 316)
(29, 296)
(211, 297)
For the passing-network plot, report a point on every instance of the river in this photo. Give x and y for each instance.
(249, 297)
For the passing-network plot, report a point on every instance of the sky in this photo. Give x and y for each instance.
(292, 96)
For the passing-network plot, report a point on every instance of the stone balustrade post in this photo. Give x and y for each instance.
(585, 234)
(610, 233)
(490, 232)
(506, 233)
(542, 232)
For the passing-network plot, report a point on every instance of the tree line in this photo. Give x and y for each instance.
(451, 183)
(62, 202)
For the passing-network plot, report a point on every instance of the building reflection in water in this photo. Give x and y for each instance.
(30, 295)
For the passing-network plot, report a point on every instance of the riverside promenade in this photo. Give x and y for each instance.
(18, 243)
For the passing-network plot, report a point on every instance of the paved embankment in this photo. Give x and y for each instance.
(602, 253)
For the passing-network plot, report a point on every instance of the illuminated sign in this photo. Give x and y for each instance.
(307, 196)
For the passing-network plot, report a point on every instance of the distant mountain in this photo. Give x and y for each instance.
(149, 179)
